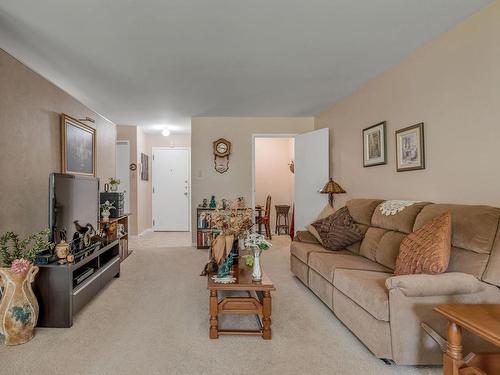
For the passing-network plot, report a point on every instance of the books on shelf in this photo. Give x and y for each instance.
(205, 237)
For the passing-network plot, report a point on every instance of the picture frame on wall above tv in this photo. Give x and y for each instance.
(78, 147)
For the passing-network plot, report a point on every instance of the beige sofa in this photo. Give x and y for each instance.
(385, 311)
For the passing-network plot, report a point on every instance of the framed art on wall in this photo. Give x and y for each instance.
(410, 150)
(144, 167)
(78, 147)
(374, 145)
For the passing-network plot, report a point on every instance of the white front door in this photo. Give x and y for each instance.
(122, 170)
(311, 174)
(171, 192)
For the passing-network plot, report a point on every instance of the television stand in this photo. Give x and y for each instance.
(64, 289)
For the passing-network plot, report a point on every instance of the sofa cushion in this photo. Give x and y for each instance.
(369, 245)
(361, 210)
(367, 289)
(402, 221)
(388, 248)
(325, 263)
(427, 250)
(301, 250)
(305, 236)
(473, 227)
(338, 230)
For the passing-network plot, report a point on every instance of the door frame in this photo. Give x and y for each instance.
(127, 142)
(265, 135)
(153, 149)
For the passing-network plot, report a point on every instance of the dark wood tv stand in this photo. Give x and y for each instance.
(60, 298)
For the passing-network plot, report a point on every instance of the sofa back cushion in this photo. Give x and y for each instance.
(362, 210)
(384, 233)
(474, 233)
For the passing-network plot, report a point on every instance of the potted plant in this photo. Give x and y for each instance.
(256, 242)
(113, 183)
(18, 306)
(105, 211)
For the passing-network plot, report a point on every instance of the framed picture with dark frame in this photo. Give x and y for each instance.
(410, 148)
(375, 145)
(144, 167)
(78, 147)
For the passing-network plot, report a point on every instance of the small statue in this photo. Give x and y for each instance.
(210, 267)
(205, 203)
(225, 268)
(224, 203)
(213, 203)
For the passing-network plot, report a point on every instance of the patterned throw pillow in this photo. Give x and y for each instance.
(427, 250)
(325, 212)
(338, 230)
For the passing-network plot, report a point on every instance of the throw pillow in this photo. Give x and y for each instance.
(338, 230)
(427, 250)
(325, 212)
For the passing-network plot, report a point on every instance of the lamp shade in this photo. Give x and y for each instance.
(331, 187)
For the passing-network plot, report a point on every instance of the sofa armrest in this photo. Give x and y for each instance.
(444, 284)
(305, 236)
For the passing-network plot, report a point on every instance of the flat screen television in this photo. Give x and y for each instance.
(72, 198)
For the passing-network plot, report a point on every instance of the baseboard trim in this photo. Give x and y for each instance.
(144, 232)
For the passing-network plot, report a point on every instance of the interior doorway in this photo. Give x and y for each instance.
(171, 187)
(122, 170)
(273, 175)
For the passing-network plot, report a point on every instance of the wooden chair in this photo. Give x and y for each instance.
(266, 219)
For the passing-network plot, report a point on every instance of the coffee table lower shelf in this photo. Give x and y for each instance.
(260, 306)
(256, 302)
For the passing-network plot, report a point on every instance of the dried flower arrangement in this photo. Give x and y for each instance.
(232, 223)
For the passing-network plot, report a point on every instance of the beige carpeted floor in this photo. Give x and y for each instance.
(154, 320)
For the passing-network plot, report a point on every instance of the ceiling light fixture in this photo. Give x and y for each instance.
(165, 132)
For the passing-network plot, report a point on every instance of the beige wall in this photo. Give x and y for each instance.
(30, 143)
(237, 181)
(452, 85)
(272, 173)
(141, 191)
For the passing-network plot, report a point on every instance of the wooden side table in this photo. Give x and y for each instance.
(481, 320)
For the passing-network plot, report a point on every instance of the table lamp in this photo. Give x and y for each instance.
(331, 188)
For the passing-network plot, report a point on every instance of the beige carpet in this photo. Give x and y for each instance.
(154, 320)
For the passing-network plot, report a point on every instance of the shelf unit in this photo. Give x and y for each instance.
(59, 294)
(205, 233)
(123, 240)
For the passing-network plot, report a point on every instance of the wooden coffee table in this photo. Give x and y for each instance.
(481, 320)
(257, 303)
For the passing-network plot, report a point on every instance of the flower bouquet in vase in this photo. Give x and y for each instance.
(256, 243)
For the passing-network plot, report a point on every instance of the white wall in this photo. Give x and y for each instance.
(272, 173)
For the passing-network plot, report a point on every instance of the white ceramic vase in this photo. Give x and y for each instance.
(257, 269)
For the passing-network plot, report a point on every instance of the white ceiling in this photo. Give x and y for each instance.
(160, 62)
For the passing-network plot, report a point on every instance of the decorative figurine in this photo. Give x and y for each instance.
(224, 203)
(225, 268)
(210, 267)
(205, 203)
(213, 203)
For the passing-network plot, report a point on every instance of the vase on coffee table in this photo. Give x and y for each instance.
(257, 269)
